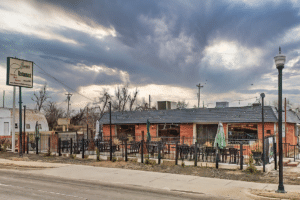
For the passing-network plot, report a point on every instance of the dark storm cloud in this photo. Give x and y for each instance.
(130, 51)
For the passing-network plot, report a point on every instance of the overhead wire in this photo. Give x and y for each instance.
(46, 73)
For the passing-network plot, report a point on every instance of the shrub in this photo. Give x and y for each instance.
(150, 162)
(98, 154)
(4, 143)
(113, 159)
(182, 164)
(48, 153)
(251, 168)
(73, 156)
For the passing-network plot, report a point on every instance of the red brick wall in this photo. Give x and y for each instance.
(106, 130)
(186, 131)
(290, 134)
(267, 126)
(143, 127)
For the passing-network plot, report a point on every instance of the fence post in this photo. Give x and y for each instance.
(59, 144)
(49, 144)
(110, 149)
(126, 159)
(142, 151)
(275, 155)
(142, 148)
(36, 145)
(195, 156)
(82, 145)
(159, 144)
(294, 153)
(71, 146)
(27, 144)
(241, 156)
(176, 153)
(217, 156)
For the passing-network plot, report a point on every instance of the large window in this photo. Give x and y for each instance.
(125, 130)
(168, 130)
(242, 132)
(206, 133)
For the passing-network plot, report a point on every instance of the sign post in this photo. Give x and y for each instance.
(19, 73)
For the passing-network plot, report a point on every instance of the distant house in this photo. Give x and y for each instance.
(32, 117)
(240, 123)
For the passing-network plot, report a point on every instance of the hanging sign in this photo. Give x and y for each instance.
(19, 72)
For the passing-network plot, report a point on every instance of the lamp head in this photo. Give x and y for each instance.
(262, 95)
(279, 59)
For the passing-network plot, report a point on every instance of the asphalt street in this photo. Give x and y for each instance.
(18, 185)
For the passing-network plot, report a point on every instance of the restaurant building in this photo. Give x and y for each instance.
(240, 123)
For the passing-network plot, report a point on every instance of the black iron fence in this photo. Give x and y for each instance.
(177, 149)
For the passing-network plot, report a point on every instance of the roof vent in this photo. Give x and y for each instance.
(223, 104)
(256, 104)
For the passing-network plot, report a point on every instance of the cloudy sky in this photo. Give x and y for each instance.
(163, 48)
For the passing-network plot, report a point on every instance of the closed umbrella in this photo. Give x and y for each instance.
(220, 137)
(148, 132)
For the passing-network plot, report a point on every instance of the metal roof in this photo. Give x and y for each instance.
(291, 116)
(199, 115)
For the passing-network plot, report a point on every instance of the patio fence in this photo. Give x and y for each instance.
(169, 148)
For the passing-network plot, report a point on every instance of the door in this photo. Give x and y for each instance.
(6, 128)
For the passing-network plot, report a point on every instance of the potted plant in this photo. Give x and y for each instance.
(257, 153)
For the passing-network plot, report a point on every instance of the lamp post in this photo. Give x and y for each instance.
(110, 141)
(279, 61)
(263, 130)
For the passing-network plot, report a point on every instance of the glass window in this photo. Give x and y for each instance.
(242, 132)
(16, 125)
(27, 126)
(40, 126)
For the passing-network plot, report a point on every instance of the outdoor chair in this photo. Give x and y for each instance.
(224, 154)
(65, 145)
(233, 155)
(210, 153)
(184, 151)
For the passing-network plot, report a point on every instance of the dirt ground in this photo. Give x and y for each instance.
(291, 175)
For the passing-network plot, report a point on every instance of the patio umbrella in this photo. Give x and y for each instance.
(220, 137)
(148, 132)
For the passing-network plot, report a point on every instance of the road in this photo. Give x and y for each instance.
(18, 185)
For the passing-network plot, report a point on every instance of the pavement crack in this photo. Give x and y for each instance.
(157, 178)
(228, 183)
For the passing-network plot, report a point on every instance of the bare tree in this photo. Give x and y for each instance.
(103, 102)
(144, 106)
(52, 113)
(182, 104)
(132, 99)
(122, 97)
(117, 102)
(41, 97)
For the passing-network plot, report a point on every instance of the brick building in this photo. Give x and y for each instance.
(240, 123)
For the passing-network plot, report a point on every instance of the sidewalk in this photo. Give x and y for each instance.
(152, 180)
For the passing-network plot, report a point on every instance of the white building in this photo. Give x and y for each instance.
(5, 122)
(31, 116)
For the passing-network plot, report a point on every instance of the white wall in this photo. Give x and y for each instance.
(5, 116)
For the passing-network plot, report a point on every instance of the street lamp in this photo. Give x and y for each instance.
(110, 141)
(263, 130)
(279, 62)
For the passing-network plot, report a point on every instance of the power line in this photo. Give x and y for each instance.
(46, 73)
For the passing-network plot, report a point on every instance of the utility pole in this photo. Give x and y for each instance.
(285, 131)
(87, 123)
(3, 97)
(149, 101)
(199, 87)
(68, 113)
(13, 140)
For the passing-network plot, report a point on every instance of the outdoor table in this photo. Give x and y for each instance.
(224, 152)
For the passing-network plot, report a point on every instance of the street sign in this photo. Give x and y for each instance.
(19, 72)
